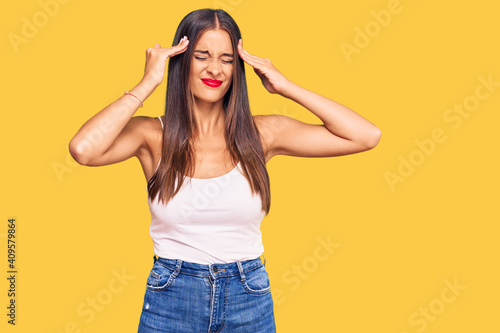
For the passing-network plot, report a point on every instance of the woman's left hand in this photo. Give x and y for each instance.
(272, 79)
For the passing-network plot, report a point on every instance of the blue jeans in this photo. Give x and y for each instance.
(184, 297)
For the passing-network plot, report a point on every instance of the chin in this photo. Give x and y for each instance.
(211, 98)
(208, 99)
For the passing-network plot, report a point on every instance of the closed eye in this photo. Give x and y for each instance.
(224, 61)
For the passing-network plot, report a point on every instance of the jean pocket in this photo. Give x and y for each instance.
(161, 277)
(256, 281)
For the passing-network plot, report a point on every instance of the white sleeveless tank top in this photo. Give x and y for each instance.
(213, 220)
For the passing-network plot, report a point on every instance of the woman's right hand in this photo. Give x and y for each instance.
(156, 59)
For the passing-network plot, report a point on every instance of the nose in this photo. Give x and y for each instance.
(214, 67)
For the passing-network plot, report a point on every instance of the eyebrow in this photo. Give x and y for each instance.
(222, 55)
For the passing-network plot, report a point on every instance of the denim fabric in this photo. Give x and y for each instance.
(184, 297)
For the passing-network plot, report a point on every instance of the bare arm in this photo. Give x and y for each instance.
(113, 135)
(343, 132)
(91, 144)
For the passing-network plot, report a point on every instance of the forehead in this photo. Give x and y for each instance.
(216, 42)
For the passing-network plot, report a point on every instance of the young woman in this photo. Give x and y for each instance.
(205, 163)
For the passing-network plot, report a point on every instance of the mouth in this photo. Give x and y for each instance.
(212, 83)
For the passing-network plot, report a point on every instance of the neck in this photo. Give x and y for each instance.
(209, 118)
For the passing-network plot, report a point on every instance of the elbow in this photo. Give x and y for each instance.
(77, 152)
(373, 139)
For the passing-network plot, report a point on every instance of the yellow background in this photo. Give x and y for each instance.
(397, 246)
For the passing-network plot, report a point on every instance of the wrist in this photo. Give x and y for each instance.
(143, 89)
(288, 89)
(149, 83)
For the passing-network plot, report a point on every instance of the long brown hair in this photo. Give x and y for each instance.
(241, 134)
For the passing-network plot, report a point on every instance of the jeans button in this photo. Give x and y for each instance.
(214, 268)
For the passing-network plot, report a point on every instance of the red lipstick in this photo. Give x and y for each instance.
(212, 83)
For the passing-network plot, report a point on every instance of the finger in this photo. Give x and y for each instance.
(248, 56)
(252, 56)
(178, 49)
(253, 61)
(250, 61)
(157, 46)
(243, 53)
(240, 51)
(240, 48)
(184, 42)
(180, 46)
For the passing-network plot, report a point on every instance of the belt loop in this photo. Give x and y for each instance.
(177, 267)
(154, 259)
(265, 260)
(240, 268)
